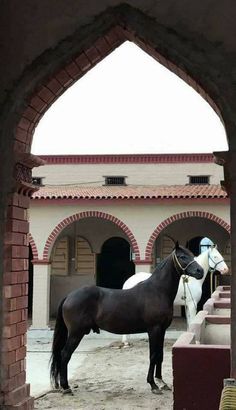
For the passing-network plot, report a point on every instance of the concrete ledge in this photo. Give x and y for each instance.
(198, 373)
(218, 307)
(211, 329)
(201, 362)
(221, 292)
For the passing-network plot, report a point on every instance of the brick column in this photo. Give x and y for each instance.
(15, 392)
(228, 160)
(41, 295)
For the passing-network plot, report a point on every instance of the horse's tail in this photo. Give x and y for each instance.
(59, 341)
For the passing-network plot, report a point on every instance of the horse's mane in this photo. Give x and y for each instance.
(162, 263)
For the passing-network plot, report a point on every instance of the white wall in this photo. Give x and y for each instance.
(144, 174)
(141, 218)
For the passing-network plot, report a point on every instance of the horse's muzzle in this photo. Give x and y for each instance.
(199, 273)
(223, 271)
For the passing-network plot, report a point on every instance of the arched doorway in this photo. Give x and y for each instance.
(198, 245)
(190, 230)
(114, 264)
(194, 245)
(72, 266)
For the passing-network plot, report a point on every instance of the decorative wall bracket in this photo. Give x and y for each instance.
(227, 159)
(24, 162)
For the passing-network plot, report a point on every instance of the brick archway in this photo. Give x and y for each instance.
(44, 80)
(53, 87)
(88, 214)
(33, 247)
(177, 217)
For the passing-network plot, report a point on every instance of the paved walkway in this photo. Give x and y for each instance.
(39, 351)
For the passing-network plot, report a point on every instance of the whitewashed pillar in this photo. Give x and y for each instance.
(143, 267)
(41, 295)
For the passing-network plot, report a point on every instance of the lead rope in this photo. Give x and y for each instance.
(212, 270)
(185, 283)
(185, 280)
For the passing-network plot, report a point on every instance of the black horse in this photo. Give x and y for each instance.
(147, 307)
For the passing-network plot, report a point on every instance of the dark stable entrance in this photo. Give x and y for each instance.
(113, 263)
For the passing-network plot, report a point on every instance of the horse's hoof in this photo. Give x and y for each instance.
(156, 391)
(67, 391)
(166, 387)
(162, 385)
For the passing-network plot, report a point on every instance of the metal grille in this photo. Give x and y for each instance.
(115, 180)
(37, 180)
(199, 179)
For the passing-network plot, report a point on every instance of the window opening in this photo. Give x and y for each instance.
(199, 179)
(37, 180)
(115, 180)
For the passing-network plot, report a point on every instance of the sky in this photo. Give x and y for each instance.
(129, 104)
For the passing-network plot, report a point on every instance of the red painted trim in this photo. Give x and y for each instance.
(143, 262)
(219, 320)
(33, 246)
(222, 305)
(136, 201)
(177, 217)
(41, 262)
(128, 159)
(88, 214)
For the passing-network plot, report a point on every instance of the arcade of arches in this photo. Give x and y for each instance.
(78, 257)
(196, 40)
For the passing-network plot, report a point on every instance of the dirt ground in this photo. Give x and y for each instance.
(114, 378)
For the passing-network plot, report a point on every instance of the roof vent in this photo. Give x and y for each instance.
(115, 180)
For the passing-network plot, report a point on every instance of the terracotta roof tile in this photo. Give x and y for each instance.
(129, 192)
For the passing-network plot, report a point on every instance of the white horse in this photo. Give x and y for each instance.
(190, 289)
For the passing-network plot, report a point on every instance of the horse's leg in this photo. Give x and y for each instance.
(187, 315)
(190, 311)
(155, 336)
(125, 340)
(159, 359)
(70, 346)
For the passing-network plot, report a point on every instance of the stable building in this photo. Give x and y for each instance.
(98, 219)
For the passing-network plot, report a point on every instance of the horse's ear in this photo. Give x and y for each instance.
(176, 245)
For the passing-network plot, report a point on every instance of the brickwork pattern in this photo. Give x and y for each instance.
(88, 214)
(15, 291)
(16, 392)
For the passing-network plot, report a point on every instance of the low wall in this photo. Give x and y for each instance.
(218, 307)
(199, 369)
(211, 329)
(221, 292)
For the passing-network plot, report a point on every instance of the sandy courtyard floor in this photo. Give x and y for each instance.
(114, 378)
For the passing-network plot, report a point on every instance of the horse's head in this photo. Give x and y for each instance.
(185, 262)
(216, 261)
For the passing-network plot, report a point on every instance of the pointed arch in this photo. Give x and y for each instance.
(54, 82)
